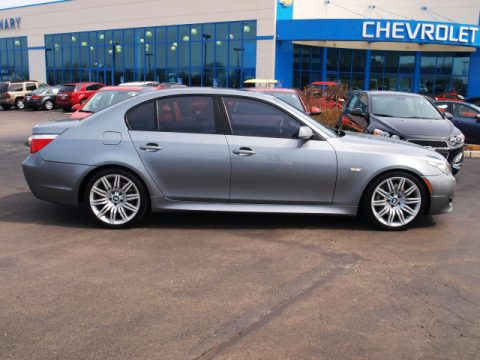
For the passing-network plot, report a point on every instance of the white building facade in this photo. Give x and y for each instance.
(428, 46)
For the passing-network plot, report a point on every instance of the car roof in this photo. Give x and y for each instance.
(383, 92)
(82, 83)
(268, 89)
(122, 88)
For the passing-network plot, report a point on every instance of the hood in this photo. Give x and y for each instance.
(414, 127)
(383, 145)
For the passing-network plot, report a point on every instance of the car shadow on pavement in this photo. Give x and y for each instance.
(23, 207)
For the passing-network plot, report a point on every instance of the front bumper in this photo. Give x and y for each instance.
(7, 101)
(443, 192)
(54, 181)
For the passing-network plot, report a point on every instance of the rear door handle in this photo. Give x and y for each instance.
(244, 151)
(151, 147)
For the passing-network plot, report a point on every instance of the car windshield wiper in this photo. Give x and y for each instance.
(384, 115)
(86, 111)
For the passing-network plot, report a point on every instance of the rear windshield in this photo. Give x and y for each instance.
(104, 99)
(3, 87)
(290, 98)
(67, 88)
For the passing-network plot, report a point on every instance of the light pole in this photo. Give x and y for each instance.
(238, 50)
(149, 68)
(206, 37)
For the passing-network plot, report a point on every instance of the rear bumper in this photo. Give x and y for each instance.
(53, 181)
(33, 104)
(9, 101)
(441, 200)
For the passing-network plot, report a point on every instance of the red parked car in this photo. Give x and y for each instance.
(76, 93)
(290, 96)
(452, 96)
(105, 97)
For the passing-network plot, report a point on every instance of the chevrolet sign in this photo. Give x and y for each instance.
(386, 30)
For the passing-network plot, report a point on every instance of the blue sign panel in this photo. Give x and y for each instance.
(422, 32)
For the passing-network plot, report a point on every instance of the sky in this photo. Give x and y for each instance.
(8, 4)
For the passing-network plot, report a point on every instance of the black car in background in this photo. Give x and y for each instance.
(473, 100)
(404, 116)
(44, 98)
(466, 117)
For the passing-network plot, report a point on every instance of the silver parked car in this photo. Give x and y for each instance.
(227, 150)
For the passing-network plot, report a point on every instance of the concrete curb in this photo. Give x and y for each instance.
(471, 154)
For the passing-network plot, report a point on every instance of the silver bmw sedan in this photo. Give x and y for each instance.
(229, 150)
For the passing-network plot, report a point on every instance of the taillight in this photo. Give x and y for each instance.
(40, 141)
(7, 96)
(35, 97)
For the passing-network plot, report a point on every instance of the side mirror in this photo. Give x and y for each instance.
(358, 112)
(448, 115)
(76, 107)
(315, 110)
(305, 133)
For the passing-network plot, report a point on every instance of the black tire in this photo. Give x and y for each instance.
(407, 208)
(6, 107)
(48, 105)
(20, 103)
(119, 222)
(67, 108)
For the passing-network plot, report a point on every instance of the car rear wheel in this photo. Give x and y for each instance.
(394, 201)
(20, 104)
(48, 105)
(116, 198)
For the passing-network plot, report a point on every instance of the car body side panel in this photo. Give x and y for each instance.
(188, 166)
(282, 170)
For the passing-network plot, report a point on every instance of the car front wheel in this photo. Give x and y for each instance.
(116, 198)
(394, 201)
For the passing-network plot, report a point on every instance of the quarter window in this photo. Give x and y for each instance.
(255, 118)
(31, 87)
(186, 114)
(142, 117)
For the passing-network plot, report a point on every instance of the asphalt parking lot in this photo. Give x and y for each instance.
(230, 286)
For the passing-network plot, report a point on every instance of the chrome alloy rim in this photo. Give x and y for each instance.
(48, 105)
(396, 201)
(114, 199)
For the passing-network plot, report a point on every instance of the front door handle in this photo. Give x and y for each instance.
(244, 151)
(151, 147)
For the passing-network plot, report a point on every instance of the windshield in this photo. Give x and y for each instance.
(404, 106)
(290, 98)
(104, 99)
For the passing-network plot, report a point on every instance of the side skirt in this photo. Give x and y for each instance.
(161, 204)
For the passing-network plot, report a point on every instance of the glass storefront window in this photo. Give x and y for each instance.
(13, 59)
(196, 54)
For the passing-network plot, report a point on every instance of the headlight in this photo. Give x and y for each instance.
(457, 140)
(442, 165)
(379, 132)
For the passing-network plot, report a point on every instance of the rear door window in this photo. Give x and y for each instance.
(186, 114)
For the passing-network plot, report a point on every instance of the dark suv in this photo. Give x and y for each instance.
(405, 116)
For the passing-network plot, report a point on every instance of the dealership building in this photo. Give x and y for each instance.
(428, 46)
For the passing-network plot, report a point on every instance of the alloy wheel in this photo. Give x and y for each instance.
(20, 104)
(396, 201)
(115, 199)
(48, 105)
